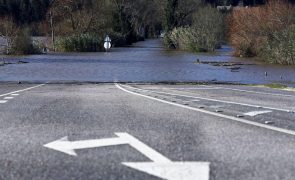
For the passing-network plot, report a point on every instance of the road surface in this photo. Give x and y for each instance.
(146, 132)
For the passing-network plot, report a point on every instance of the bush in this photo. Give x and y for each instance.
(23, 43)
(205, 34)
(280, 47)
(118, 39)
(79, 43)
(265, 31)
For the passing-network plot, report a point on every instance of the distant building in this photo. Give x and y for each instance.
(222, 8)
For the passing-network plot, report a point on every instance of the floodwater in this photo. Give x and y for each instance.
(145, 61)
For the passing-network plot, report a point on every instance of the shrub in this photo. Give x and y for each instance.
(118, 39)
(205, 34)
(23, 43)
(264, 31)
(280, 47)
(79, 43)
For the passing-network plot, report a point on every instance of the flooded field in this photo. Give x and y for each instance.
(145, 61)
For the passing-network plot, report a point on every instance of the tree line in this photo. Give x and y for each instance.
(124, 11)
(75, 23)
(24, 11)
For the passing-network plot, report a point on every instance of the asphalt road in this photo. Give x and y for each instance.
(243, 132)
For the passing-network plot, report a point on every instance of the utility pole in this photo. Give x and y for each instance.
(52, 30)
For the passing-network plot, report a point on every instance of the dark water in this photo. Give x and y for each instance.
(144, 62)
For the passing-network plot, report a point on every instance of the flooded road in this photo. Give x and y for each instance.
(145, 61)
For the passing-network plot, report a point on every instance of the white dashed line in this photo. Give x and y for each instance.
(209, 88)
(216, 100)
(255, 113)
(22, 90)
(192, 101)
(3, 101)
(8, 98)
(14, 94)
(255, 92)
(286, 131)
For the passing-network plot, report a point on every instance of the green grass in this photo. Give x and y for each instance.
(276, 86)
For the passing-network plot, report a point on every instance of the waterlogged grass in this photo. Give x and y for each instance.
(272, 85)
(79, 43)
(276, 86)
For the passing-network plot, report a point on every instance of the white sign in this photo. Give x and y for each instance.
(160, 166)
(107, 43)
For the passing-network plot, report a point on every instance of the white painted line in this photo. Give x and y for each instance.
(144, 149)
(14, 94)
(3, 101)
(8, 98)
(161, 166)
(215, 100)
(208, 88)
(216, 106)
(286, 131)
(174, 170)
(68, 147)
(255, 92)
(192, 101)
(255, 113)
(22, 90)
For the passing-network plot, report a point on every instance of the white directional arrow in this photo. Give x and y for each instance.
(255, 113)
(161, 166)
(174, 170)
(68, 147)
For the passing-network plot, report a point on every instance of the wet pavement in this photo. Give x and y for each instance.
(182, 123)
(145, 61)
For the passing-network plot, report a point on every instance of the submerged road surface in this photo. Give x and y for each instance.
(146, 61)
(146, 132)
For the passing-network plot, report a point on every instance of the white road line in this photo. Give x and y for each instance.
(14, 94)
(3, 101)
(255, 92)
(209, 88)
(216, 100)
(286, 131)
(22, 90)
(160, 166)
(144, 149)
(192, 101)
(216, 106)
(8, 98)
(69, 147)
(255, 113)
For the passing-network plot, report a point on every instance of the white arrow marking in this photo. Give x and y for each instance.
(255, 113)
(161, 166)
(174, 170)
(68, 147)
(144, 149)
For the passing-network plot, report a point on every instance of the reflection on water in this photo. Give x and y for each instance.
(143, 62)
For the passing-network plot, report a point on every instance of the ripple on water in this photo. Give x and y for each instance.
(146, 61)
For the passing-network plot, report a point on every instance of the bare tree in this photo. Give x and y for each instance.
(8, 31)
(72, 16)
